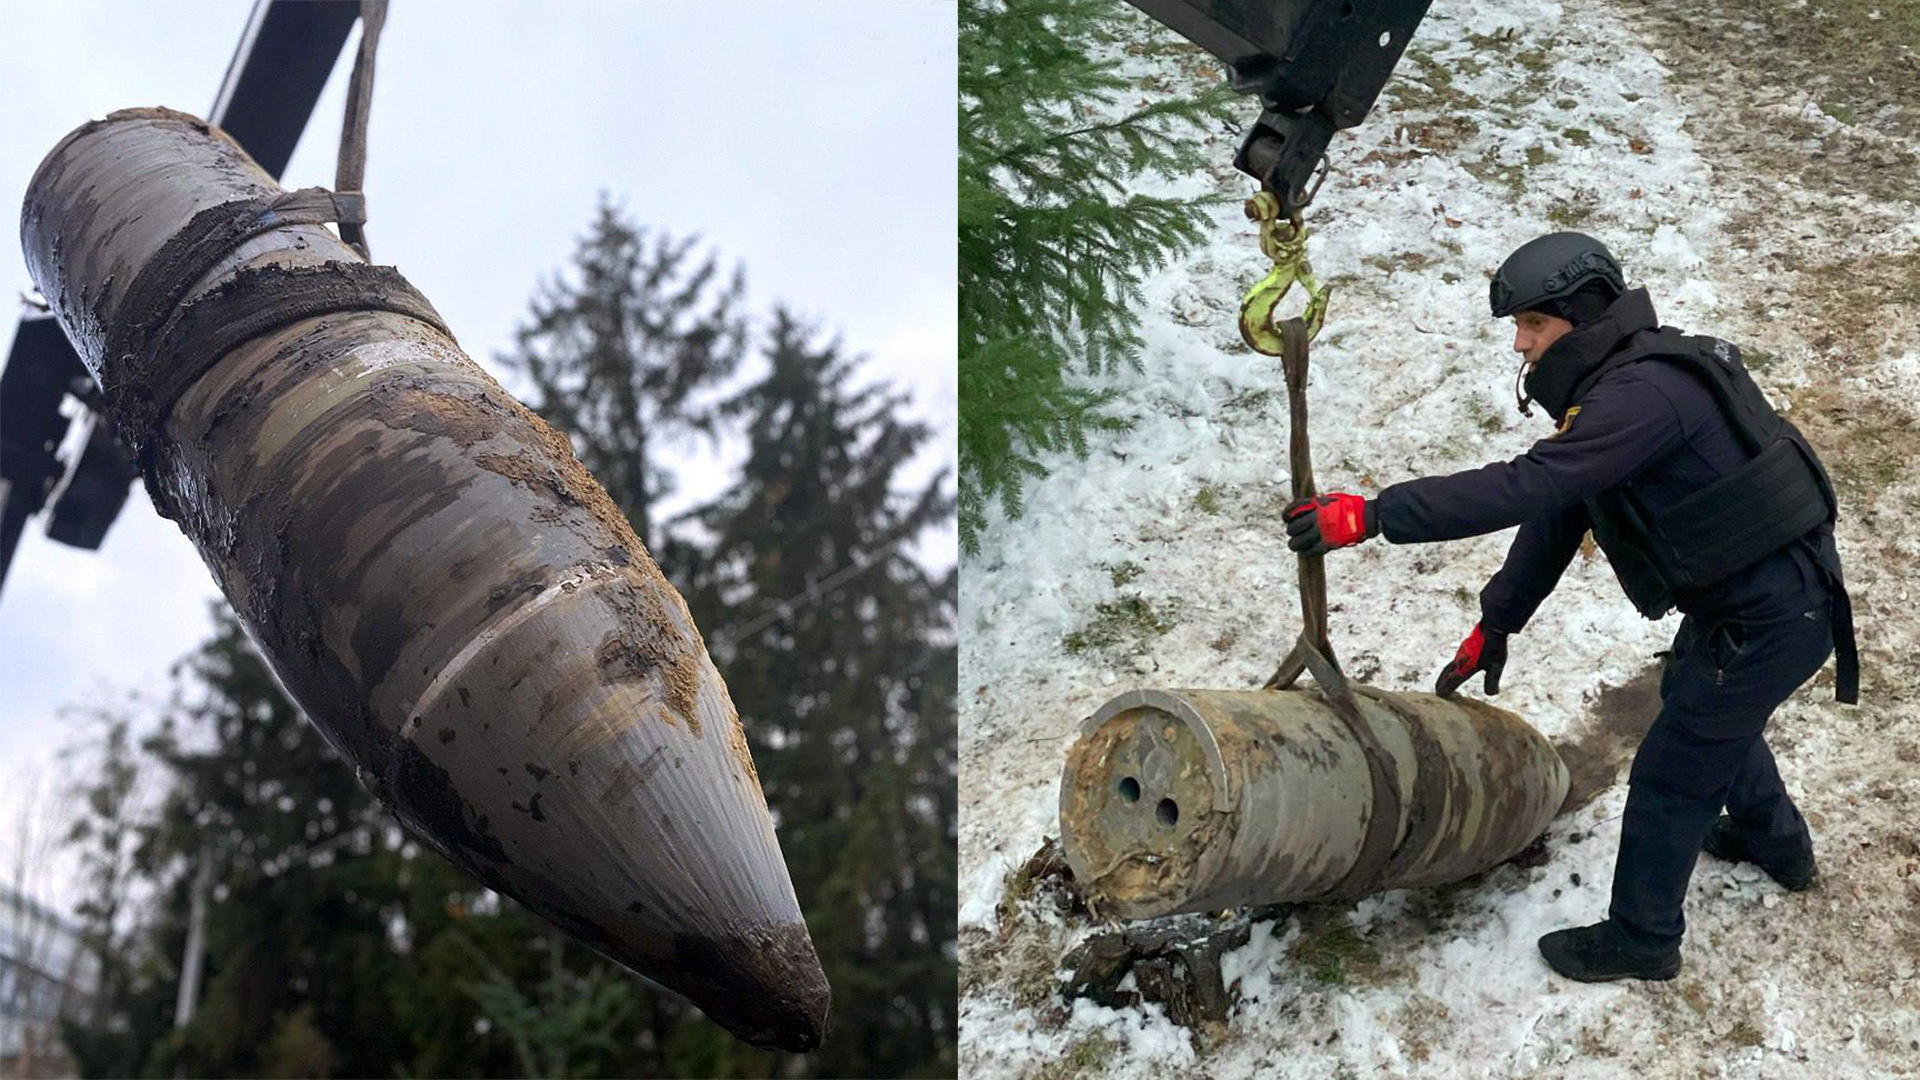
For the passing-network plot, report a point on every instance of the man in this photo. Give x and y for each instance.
(1704, 499)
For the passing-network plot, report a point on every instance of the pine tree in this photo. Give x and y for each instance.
(1052, 241)
(617, 357)
(839, 650)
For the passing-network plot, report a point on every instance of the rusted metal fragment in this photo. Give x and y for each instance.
(1199, 800)
(430, 572)
(1174, 965)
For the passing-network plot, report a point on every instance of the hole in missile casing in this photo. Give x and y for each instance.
(1130, 789)
(1168, 812)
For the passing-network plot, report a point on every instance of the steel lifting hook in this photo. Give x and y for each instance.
(1285, 242)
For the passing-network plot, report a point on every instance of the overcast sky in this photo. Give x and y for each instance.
(811, 141)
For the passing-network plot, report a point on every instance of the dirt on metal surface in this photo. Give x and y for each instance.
(435, 578)
(1198, 800)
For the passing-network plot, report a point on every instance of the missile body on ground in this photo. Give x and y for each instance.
(1199, 800)
(427, 568)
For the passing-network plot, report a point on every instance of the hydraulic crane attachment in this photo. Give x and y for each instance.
(1316, 65)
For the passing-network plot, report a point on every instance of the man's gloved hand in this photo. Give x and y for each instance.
(1317, 525)
(1484, 650)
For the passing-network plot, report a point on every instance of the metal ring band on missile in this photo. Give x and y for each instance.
(209, 236)
(1377, 850)
(255, 301)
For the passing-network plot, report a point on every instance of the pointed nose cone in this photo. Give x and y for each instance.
(430, 572)
(584, 758)
(796, 1013)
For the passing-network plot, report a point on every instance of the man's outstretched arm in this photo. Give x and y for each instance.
(1625, 424)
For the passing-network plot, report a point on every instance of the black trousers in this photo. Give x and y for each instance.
(1706, 751)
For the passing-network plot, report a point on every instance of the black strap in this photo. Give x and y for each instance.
(1426, 815)
(350, 166)
(190, 254)
(1383, 824)
(255, 301)
(1846, 651)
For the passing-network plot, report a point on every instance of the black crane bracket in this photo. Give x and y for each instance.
(1317, 66)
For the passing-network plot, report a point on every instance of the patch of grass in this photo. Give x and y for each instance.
(1130, 620)
(1335, 955)
(1492, 172)
(1422, 1024)
(1207, 499)
(1021, 962)
(1839, 112)
(1448, 131)
(1538, 155)
(1028, 972)
(1485, 416)
(1575, 210)
(1696, 999)
(1124, 573)
(1464, 596)
(1089, 1055)
(1431, 86)
(1251, 400)
(1016, 887)
(1867, 444)
(1405, 260)
(1592, 1046)
(1745, 1034)
(1577, 136)
(1758, 359)
(1534, 60)
(1853, 56)
(1863, 475)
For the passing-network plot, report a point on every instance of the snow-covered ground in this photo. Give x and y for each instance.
(1690, 157)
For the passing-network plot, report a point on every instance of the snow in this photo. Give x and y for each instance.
(1411, 377)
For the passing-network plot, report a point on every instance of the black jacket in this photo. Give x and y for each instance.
(1651, 426)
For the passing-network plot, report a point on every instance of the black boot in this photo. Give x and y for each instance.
(1597, 954)
(1724, 841)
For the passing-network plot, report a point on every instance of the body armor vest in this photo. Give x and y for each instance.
(1781, 494)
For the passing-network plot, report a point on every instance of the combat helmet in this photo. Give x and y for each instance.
(1549, 269)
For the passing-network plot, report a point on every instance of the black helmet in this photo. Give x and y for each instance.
(1552, 267)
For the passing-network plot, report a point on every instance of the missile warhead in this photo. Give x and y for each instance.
(427, 568)
(1198, 800)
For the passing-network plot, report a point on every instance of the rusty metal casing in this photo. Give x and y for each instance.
(425, 565)
(1199, 800)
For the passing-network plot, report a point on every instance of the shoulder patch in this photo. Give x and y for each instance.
(1567, 422)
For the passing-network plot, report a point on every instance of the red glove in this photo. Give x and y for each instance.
(1484, 650)
(1317, 525)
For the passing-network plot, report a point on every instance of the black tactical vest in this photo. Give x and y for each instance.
(1780, 495)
